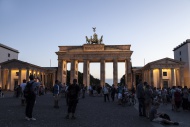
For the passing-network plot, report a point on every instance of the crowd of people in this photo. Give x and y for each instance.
(149, 96)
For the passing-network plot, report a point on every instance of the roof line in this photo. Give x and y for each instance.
(9, 48)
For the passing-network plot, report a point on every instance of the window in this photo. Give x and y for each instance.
(179, 52)
(180, 59)
(9, 55)
(17, 73)
(164, 73)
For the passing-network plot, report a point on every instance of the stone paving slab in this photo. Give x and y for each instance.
(91, 112)
(182, 117)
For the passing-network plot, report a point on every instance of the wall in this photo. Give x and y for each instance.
(4, 55)
(185, 51)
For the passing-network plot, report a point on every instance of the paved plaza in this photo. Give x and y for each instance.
(91, 112)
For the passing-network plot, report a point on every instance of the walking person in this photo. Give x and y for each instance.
(23, 85)
(56, 89)
(30, 95)
(73, 91)
(140, 96)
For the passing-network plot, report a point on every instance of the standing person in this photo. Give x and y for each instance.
(30, 89)
(140, 96)
(177, 96)
(106, 93)
(173, 98)
(113, 91)
(148, 99)
(73, 91)
(23, 85)
(119, 91)
(56, 89)
(185, 98)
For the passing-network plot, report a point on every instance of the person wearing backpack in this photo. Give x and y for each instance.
(106, 93)
(73, 91)
(30, 95)
(23, 85)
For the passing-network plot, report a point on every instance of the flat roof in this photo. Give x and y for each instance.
(185, 42)
(9, 48)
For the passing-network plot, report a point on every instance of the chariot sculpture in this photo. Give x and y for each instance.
(95, 39)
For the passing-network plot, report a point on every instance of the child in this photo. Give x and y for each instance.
(156, 117)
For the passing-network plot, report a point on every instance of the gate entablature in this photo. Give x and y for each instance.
(91, 52)
(95, 52)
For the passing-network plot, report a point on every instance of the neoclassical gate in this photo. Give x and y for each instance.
(91, 52)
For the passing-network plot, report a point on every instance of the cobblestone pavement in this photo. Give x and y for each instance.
(182, 117)
(91, 112)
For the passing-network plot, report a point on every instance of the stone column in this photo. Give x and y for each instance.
(182, 76)
(64, 72)
(20, 76)
(46, 76)
(160, 78)
(115, 72)
(27, 74)
(32, 72)
(9, 85)
(142, 75)
(74, 70)
(59, 71)
(102, 73)
(134, 80)
(0, 78)
(126, 71)
(53, 78)
(42, 80)
(177, 77)
(172, 77)
(151, 77)
(3, 78)
(86, 75)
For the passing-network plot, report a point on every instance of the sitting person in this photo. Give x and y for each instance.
(159, 117)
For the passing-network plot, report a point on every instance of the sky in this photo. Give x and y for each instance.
(36, 28)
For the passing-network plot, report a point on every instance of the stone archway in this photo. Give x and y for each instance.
(94, 53)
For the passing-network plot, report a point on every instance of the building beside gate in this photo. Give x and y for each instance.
(12, 73)
(161, 73)
(182, 53)
(7, 53)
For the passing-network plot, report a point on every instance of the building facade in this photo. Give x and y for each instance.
(89, 53)
(182, 53)
(161, 73)
(7, 53)
(12, 73)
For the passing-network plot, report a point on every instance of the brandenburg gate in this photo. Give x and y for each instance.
(94, 51)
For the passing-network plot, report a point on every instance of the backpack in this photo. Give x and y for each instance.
(28, 92)
(73, 91)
